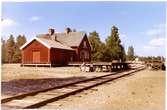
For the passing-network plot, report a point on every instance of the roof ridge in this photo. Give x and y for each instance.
(71, 39)
(71, 32)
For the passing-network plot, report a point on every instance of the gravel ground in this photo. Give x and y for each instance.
(143, 91)
(17, 80)
(15, 72)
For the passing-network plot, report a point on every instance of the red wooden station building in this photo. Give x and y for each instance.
(56, 48)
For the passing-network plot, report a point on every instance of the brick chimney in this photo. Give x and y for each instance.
(68, 30)
(51, 33)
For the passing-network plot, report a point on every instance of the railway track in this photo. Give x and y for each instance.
(40, 98)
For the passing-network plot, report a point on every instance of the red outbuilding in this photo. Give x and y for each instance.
(56, 48)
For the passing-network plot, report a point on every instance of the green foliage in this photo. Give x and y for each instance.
(130, 53)
(3, 51)
(10, 46)
(10, 49)
(106, 54)
(150, 58)
(19, 42)
(111, 50)
(96, 46)
(115, 51)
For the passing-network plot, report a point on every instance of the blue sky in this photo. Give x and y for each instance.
(141, 24)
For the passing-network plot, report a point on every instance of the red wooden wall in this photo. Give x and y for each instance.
(27, 52)
(60, 56)
(80, 48)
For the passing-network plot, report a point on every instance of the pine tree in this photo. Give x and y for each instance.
(10, 46)
(114, 51)
(130, 53)
(3, 52)
(96, 46)
(20, 40)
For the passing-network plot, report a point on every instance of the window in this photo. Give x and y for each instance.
(84, 44)
(71, 58)
(84, 55)
(87, 54)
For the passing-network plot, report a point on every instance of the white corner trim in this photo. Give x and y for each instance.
(26, 43)
(35, 38)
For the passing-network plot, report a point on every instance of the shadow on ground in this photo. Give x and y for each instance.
(15, 87)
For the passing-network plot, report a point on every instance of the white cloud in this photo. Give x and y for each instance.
(149, 48)
(123, 35)
(158, 38)
(157, 42)
(8, 23)
(35, 18)
(158, 29)
(161, 25)
(153, 32)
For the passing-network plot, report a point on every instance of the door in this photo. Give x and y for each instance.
(36, 56)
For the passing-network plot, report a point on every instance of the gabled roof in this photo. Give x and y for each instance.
(55, 44)
(48, 43)
(72, 39)
(63, 40)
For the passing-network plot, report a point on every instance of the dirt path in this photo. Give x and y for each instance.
(143, 91)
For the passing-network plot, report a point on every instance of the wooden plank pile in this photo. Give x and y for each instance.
(155, 65)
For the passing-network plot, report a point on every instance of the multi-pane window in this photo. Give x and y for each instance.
(84, 54)
(84, 44)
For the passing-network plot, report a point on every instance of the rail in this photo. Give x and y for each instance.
(40, 98)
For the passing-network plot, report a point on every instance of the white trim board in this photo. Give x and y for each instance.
(35, 38)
